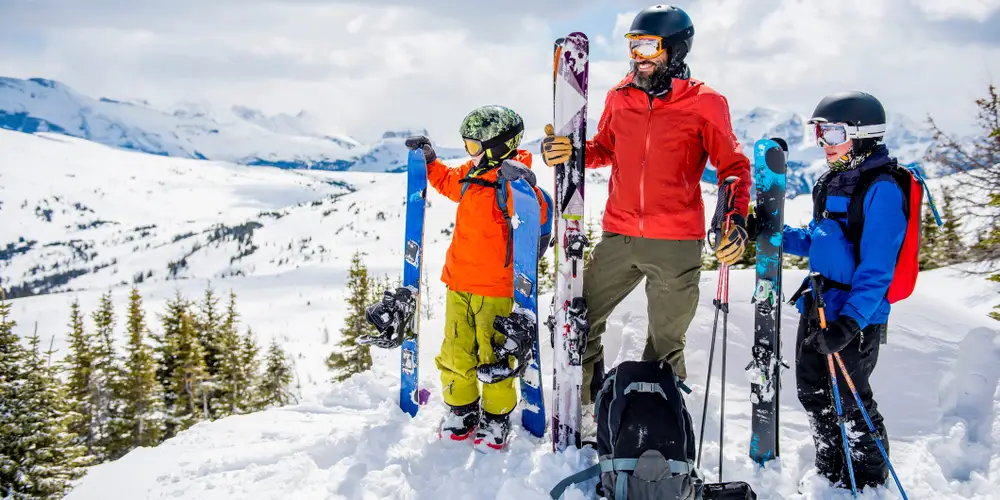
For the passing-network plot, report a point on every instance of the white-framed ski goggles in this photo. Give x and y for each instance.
(834, 134)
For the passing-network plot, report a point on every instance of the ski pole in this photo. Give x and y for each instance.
(868, 420)
(725, 206)
(820, 306)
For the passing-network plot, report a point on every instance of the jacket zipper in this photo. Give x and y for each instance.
(642, 171)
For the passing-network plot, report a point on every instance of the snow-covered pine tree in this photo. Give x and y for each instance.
(50, 461)
(208, 322)
(138, 391)
(166, 356)
(351, 357)
(952, 249)
(189, 376)
(81, 382)
(250, 399)
(107, 371)
(237, 368)
(274, 387)
(546, 275)
(930, 255)
(13, 370)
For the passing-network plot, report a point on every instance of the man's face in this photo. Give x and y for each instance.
(646, 67)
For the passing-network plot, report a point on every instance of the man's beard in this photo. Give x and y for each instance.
(657, 81)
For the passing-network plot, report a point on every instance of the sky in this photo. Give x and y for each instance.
(361, 68)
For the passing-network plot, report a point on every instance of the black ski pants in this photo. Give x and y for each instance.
(815, 392)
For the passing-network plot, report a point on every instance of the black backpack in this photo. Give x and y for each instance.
(645, 437)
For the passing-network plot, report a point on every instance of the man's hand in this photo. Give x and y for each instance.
(732, 245)
(555, 150)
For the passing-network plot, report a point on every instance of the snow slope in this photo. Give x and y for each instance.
(937, 378)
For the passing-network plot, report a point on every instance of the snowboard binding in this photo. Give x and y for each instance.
(391, 317)
(519, 333)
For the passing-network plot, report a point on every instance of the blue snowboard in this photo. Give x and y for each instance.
(526, 222)
(410, 394)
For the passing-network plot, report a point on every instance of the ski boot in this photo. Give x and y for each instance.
(493, 432)
(460, 422)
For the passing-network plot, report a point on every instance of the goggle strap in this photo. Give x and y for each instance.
(504, 137)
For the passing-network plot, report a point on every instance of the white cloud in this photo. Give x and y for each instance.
(367, 67)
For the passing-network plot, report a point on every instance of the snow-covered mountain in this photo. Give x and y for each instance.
(248, 136)
(194, 130)
(82, 218)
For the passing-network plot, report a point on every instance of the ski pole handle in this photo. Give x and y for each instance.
(820, 305)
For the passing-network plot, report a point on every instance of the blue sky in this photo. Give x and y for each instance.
(361, 68)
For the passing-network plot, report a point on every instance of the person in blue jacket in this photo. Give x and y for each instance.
(855, 277)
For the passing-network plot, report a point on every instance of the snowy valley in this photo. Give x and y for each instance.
(81, 218)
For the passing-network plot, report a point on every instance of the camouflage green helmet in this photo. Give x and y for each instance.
(495, 129)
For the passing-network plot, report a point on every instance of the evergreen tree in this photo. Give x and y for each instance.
(139, 393)
(166, 356)
(189, 375)
(106, 374)
(237, 365)
(277, 377)
(250, 363)
(930, 255)
(351, 356)
(592, 237)
(80, 364)
(50, 461)
(38, 456)
(13, 404)
(952, 248)
(209, 325)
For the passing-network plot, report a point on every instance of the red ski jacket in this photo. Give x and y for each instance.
(658, 148)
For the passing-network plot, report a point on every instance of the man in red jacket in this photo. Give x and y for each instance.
(658, 129)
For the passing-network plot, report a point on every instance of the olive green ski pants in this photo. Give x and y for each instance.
(618, 263)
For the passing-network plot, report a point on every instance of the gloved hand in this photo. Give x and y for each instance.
(733, 243)
(513, 170)
(555, 150)
(390, 318)
(835, 338)
(519, 333)
(421, 142)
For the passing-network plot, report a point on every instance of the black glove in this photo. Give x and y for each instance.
(513, 170)
(519, 333)
(421, 142)
(390, 317)
(835, 338)
(751, 226)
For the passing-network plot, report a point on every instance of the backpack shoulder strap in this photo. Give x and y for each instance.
(856, 207)
(819, 195)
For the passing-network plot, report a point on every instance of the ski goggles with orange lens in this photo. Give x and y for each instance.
(473, 147)
(835, 134)
(645, 46)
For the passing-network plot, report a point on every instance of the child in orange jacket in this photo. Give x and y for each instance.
(478, 271)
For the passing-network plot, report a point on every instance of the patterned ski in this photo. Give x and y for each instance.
(764, 371)
(526, 222)
(571, 67)
(410, 394)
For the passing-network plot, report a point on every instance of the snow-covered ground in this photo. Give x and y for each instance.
(936, 380)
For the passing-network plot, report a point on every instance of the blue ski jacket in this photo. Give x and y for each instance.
(830, 253)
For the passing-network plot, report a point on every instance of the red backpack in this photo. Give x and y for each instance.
(904, 279)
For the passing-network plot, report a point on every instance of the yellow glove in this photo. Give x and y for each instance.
(555, 150)
(732, 245)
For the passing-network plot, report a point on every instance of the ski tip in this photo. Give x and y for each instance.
(781, 142)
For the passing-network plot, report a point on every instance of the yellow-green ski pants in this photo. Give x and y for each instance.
(468, 330)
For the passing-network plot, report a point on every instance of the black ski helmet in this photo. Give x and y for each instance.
(853, 107)
(671, 24)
